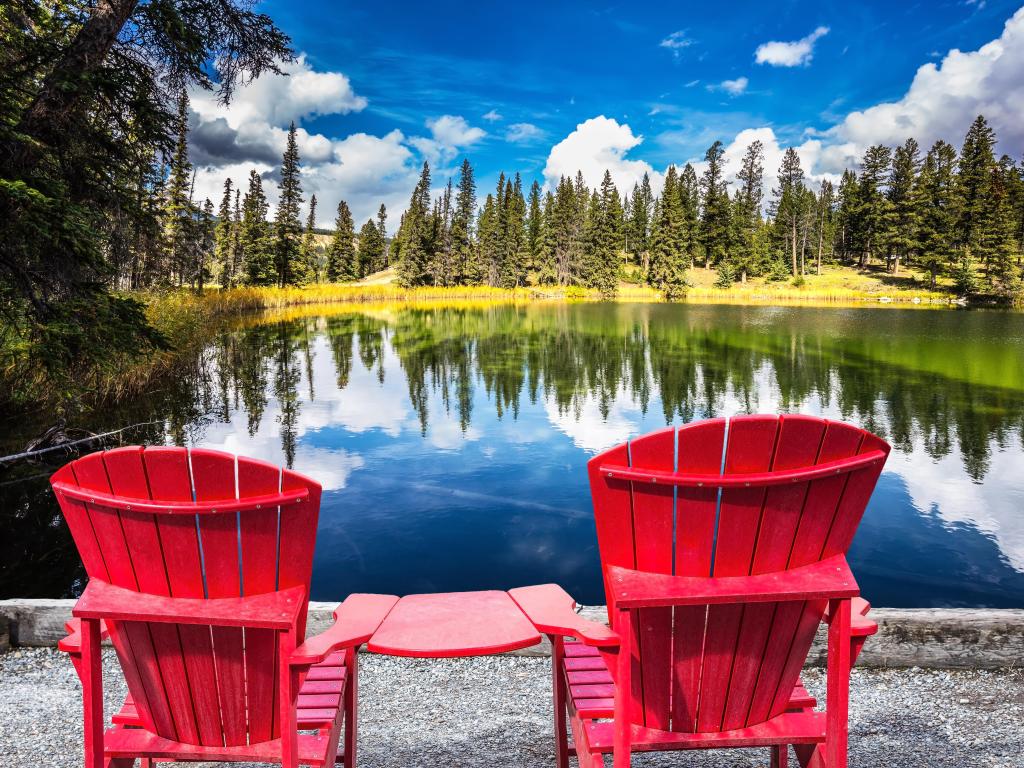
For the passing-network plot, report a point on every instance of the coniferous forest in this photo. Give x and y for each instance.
(97, 201)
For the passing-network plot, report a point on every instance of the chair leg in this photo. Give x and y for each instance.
(351, 707)
(91, 673)
(288, 682)
(780, 756)
(838, 685)
(559, 694)
(621, 747)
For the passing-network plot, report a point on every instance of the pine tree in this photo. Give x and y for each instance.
(291, 269)
(937, 209)
(179, 213)
(414, 235)
(669, 259)
(714, 223)
(687, 191)
(514, 245)
(225, 238)
(1003, 255)
(747, 253)
(382, 227)
(788, 205)
(371, 248)
(309, 250)
(845, 214)
(973, 181)
(601, 240)
(639, 228)
(467, 268)
(203, 247)
(341, 253)
(873, 214)
(825, 223)
(534, 225)
(256, 241)
(903, 229)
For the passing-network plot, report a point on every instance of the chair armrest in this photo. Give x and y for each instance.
(551, 610)
(272, 610)
(828, 579)
(860, 624)
(355, 621)
(73, 642)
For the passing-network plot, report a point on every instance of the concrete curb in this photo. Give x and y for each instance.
(935, 638)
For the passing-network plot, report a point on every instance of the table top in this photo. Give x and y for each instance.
(448, 624)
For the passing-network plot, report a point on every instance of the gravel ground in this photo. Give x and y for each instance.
(489, 711)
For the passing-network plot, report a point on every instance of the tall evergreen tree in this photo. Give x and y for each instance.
(974, 179)
(225, 238)
(715, 224)
(687, 191)
(256, 240)
(463, 220)
(747, 252)
(639, 221)
(669, 259)
(788, 205)
(179, 213)
(825, 224)
(308, 249)
(382, 227)
(291, 269)
(342, 264)
(874, 211)
(534, 225)
(904, 204)
(415, 236)
(371, 248)
(937, 212)
(601, 239)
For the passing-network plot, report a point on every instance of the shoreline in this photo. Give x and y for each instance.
(927, 638)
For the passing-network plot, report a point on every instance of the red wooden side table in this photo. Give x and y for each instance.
(451, 624)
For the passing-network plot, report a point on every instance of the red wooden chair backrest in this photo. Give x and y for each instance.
(713, 668)
(194, 684)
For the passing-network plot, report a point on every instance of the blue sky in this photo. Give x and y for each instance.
(634, 87)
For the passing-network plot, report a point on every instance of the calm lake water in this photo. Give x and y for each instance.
(451, 442)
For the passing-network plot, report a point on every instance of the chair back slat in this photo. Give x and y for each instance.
(213, 686)
(722, 667)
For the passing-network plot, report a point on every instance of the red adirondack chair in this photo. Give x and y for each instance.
(718, 568)
(199, 570)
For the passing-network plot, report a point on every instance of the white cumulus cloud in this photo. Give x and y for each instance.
(676, 41)
(944, 98)
(448, 135)
(523, 133)
(732, 87)
(790, 54)
(595, 145)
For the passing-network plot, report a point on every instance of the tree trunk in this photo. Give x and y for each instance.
(794, 246)
(821, 237)
(743, 276)
(52, 113)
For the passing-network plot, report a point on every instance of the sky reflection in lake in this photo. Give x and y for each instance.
(451, 443)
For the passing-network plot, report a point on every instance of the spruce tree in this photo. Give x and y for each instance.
(534, 226)
(309, 261)
(601, 240)
(291, 269)
(640, 204)
(179, 213)
(669, 259)
(788, 205)
(998, 239)
(825, 223)
(904, 208)
(415, 246)
(371, 248)
(256, 240)
(715, 215)
(747, 252)
(514, 245)
(973, 182)
(382, 227)
(467, 269)
(341, 252)
(937, 209)
(687, 191)
(874, 211)
(225, 238)
(845, 214)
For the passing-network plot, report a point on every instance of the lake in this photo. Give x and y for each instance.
(451, 441)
